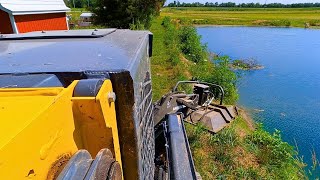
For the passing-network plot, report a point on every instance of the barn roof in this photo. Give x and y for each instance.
(21, 7)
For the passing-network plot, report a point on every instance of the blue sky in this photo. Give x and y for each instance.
(249, 1)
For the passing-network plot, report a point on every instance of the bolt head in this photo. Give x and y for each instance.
(112, 97)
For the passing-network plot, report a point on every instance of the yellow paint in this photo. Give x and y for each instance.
(45, 150)
(40, 125)
(30, 92)
(109, 114)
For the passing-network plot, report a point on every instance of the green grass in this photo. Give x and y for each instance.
(75, 16)
(238, 152)
(164, 73)
(295, 17)
(79, 9)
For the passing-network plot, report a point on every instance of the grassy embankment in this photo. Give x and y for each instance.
(293, 17)
(239, 151)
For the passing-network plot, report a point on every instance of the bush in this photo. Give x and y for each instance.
(200, 21)
(186, 40)
(135, 14)
(166, 22)
(273, 150)
(171, 41)
(281, 23)
(226, 78)
(220, 73)
(191, 45)
(226, 137)
(185, 21)
(278, 156)
(314, 22)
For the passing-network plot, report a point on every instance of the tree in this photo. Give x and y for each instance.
(135, 14)
(79, 3)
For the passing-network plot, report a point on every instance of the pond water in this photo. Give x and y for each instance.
(286, 94)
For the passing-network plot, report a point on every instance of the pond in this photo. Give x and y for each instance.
(285, 95)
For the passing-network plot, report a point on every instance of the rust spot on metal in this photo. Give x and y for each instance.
(58, 166)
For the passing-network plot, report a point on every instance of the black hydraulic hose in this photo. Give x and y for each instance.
(219, 87)
(198, 82)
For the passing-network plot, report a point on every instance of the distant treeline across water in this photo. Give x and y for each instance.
(245, 5)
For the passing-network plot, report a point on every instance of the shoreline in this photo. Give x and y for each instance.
(247, 118)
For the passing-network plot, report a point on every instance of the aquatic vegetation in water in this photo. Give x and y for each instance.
(246, 64)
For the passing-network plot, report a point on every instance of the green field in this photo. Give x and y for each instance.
(294, 17)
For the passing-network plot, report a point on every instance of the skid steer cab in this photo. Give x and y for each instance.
(76, 105)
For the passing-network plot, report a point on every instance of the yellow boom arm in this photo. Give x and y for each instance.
(41, 128)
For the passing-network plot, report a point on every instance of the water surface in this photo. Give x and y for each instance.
(286, 94)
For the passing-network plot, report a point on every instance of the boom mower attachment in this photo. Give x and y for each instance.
(200, 105)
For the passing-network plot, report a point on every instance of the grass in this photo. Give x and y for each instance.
(239, 152)
(172, 44)
(294, 17)
(75, 17)
(79, 9)
(164, 73)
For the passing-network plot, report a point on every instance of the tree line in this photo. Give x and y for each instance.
(80, 3)
(133, 14)
(245, 5)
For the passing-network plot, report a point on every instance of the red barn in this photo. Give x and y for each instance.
(21, 16)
